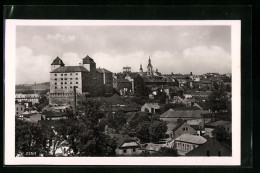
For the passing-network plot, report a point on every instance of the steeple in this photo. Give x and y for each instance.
(141, 68)
(149, 67)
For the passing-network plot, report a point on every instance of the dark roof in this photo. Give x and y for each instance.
(183, 113)
(103, 70)
(54, 114)
(122, 81)
(67, 69)
(213, 146)
(88, 60)
(178, 126)
(57, 61)
(217, 123)
(125, 138)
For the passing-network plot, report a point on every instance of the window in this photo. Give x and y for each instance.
(133, 149)
(55, 74)
(55, 83)
(55, 79)
(71, 74)
(186, 128)
(71, 87)
(61, 83)
(70, 82)
(61, 78)
(76, 82)
(76, 78)
(70, 78)
(65, 78)
(208, 153)
(228, 129)
(65, 74)
(21, 109)
(65, 87)
(17, 113)
(61, 74)
(61, 87)
(65, 82)
(124, 151)
(76, 73)
(55, 87)
(17, 109)
(183, 129)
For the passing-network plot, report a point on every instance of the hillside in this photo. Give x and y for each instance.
(28, 87)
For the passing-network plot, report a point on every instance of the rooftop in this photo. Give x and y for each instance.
(191, 139)
(183, 113)
(67, 69)
(218, 123)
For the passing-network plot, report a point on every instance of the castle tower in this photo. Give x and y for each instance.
(149, 67)
(57, 63)
(89, 64)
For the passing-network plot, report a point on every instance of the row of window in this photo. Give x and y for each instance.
(64, 74)
(186, 147)
(64, 87)
(66, 78)
(65, 83)
(21, 109)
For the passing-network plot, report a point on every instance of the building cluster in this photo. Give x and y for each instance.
(190, 126)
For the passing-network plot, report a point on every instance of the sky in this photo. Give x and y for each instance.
(177, 49)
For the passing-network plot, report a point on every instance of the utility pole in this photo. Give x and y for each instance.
(75, 100)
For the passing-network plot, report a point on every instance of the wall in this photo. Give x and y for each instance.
(187, 130)
(183, 147)
(64, 82)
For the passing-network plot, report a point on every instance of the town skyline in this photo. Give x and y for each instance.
(172, 49)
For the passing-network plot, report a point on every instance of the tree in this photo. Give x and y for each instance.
(143, 132)
(157, 130)
(220, 133)
(29, 137)
(217, 102)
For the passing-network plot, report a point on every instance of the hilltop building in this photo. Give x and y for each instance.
(86, 78)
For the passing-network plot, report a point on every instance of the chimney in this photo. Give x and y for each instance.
(75, 100)
(34, 87)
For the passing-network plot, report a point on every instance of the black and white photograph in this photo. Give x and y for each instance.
(122, 92)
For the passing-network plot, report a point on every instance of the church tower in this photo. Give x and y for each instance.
(149, 67)
(141, 69)
(56, 63)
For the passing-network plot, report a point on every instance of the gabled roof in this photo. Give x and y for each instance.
(54, 114)
(68, 69)
(183, 113)
(178, 126)
(103, 70)
(191, 139)
(213, 146)
(217, 123)
(57, 61)
(88, 60)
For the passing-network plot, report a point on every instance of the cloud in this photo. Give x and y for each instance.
(31, 68)
(203, 59)
(60, 37)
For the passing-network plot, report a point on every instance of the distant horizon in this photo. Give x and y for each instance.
(178, 49)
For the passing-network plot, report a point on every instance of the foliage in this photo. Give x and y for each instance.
(217, 102)
(220, 133)
(157, 130)
(27, 137)
(162, 152)
(142, 131)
